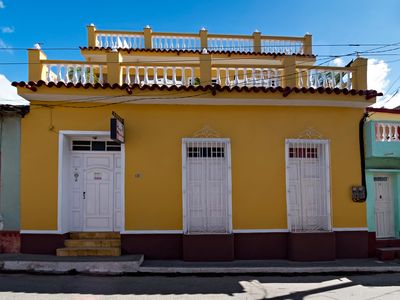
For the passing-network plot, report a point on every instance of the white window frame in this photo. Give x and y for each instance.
(227, 143)
(326, 147)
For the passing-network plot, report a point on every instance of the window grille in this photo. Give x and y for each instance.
(308, 192)
(88, 145)
(206, 185)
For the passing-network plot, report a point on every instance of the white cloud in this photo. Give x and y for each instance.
(2, 4)
(8, 93)
(378, 71)
(4, 45)
(338, 61)
(7, 29)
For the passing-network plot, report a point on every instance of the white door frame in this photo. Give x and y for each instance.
(64, 171)
(391, 195)
(229, 179)
(326, 144)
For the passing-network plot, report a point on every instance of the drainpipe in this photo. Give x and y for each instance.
(1, 223)
(362, 151)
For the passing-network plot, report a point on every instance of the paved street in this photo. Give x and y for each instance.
(23, 286)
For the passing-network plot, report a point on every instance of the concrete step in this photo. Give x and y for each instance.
(89, 251)
(94, 235)
(95, 243)
(388, 253)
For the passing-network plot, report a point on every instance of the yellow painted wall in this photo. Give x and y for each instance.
(153, 148)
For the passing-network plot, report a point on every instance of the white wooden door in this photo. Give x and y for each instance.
(98, 194)
(384, 208)
(206, 180)
(307, 186)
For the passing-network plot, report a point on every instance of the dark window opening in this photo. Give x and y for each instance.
(200, 152)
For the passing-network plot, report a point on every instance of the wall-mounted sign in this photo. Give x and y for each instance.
(117, 128)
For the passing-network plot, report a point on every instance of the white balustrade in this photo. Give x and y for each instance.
(316, 78)
(387, 132)
(175, 42)
(282, 46)
(230, 44)
(125, 41)
(160, 75)
(75, 73)
(257, 77)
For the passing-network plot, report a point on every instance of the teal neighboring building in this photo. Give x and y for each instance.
(382, 172)
(12, 109)
(10, 137)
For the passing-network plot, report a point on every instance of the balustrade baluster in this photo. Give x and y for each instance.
(146, 76)
(48, 73)
(100, 74)
(127, 75)
(245, 80)
(227, 79)
(59, 76)
(192, 75)
(155, 77)
(173, 76)
(83, 74)
(165, 75)
(183, 79)
(137, 75)
(66, 77)
(390, 133)
(91, 77)
(218, 76)
(253, 75)
(236, 76)
(75, 77)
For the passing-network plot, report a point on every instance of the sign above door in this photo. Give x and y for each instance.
(117, 128)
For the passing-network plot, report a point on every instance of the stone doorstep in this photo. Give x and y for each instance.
(95, 235)
(388, 253)
(89, 251)
(81, 243)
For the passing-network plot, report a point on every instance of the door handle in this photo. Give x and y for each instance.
(84, 195)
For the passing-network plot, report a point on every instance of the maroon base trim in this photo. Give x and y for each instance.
(312, 246)
(294, 246)
(10, 242)
(371, 244)
(42, 243)
(351, 244)
(153, 246)
(261, 245)
(218, 247)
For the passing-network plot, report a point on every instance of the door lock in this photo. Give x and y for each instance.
(84, 195)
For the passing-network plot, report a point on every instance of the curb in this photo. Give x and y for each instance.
(269, 270)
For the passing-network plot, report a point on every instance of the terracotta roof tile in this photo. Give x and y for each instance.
(286, 91)
(129, 50)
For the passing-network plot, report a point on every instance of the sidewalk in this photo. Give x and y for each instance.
(134, 264)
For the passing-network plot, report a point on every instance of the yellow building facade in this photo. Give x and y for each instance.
(231, 150)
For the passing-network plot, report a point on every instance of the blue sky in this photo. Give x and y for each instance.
(63, 24)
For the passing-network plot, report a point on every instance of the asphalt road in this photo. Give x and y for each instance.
(25, 286)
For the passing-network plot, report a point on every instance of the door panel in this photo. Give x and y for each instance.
(384, 207)
(207, 188)
(307, 198)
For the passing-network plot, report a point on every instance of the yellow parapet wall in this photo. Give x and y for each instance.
(153, 201)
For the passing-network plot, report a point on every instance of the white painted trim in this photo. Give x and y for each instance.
(326, 144)
(152, 232)
(41, 232)
(259, 230)
(229, 180)
(59, 179)
(289, 101)
(350, 229)
(62, 134)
